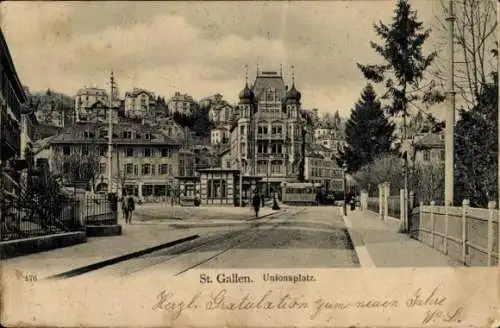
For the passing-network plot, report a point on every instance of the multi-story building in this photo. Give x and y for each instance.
(220, 111)
(329, 137)
(144, 162)
(85, 102)
(266, 136)
(319, 168)
(139, 103)
(219, 135)
(428, 149)
(182, 103)
(13, 137)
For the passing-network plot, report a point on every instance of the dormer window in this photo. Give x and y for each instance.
(147, 136)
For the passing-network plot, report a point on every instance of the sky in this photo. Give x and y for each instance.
(201, 48)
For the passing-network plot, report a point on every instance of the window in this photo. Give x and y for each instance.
(147, 190)
(165, 152)
(129, 169)
(427, 155)
(102, 168)
(103, 151)
(216, 189)
(153, 169)
(276, 168)
(147, 136)
(163, 169)
(441, 155)
(129, 152)
(147, 152)
(146, 169)
(85, 150)
(228, 164)
(136, 169)
(66, 151)
(242, 130)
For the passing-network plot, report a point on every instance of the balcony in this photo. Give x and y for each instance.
(269, 136)
(271, 156)
(278, 136)
(10, 136)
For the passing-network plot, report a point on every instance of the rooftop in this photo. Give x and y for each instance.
(75, 134)
(431, 140)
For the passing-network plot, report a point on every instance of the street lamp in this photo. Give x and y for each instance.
(344, 170)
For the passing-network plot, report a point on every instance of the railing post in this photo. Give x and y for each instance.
(387, 189)
(401, 205)
(491, 213)
(465, 205)
(380, 202)
(433, 204)
(446, 218)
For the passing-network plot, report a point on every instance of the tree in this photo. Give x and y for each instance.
(476, 47)
(368, 132)
(427, 181)
(404, 66)
(476, 149)
(384, 168)
(404, 62)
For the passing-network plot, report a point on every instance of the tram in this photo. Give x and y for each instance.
(300, 193)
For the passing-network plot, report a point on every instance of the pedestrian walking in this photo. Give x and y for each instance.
(256, 199)
(128, 207)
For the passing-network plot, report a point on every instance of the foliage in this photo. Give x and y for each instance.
(79, 167)
(368, 132)
(385, 168)
(49, 102)
(199, 122)
(403, 57)
(476, 149)
(427, 181)
(44, 200)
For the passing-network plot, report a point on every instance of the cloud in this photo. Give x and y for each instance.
(197, 47)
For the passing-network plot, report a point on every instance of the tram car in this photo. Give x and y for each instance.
(300, 193)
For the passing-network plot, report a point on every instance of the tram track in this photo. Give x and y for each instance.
(234, 238)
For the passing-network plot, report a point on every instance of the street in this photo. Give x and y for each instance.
(295, 238)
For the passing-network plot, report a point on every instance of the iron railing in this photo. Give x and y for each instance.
(19, 220)
(394, 206)
(373, 204)
(100, 210)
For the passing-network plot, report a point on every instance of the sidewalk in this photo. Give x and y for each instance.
(142, 234)
(379, 246)
(134, 237)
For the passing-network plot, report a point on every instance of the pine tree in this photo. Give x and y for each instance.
(368, 132)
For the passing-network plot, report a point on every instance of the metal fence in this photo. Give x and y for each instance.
(100, 210)
(35, 219)
(394, 206)
(373, 204)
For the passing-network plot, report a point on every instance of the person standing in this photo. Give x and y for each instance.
(256, 199)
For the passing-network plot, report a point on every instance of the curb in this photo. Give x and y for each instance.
(365, 260)
(114, 260)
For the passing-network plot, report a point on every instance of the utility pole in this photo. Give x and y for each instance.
(110, 133)
(498, 127)
(450, 114)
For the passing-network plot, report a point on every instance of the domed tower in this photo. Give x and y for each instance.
(246, 108)
(292, 102)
